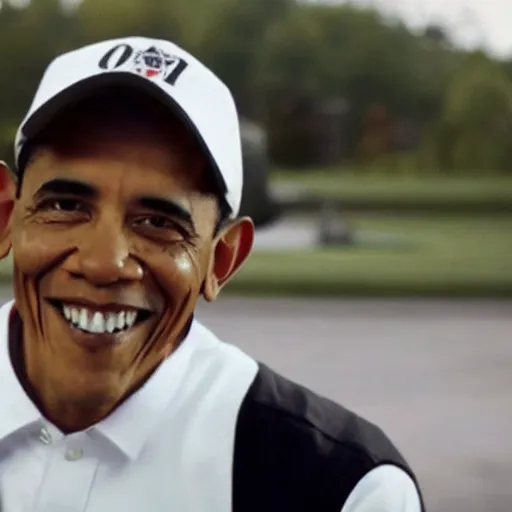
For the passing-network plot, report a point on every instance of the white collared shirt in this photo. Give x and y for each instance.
(169, 447)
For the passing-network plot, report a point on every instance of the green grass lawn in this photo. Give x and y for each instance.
(6, 269)
(440, 257)
(363, 185)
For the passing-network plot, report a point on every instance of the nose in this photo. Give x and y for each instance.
(103, 257)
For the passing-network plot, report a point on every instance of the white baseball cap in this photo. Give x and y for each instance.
(158, 68)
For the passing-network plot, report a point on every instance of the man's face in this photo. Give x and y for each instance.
(112, 239)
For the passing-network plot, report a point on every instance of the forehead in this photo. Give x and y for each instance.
(119, 140)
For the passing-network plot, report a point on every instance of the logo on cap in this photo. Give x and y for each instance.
(153, 62)
(150, 63)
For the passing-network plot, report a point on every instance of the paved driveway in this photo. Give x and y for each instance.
(437, 376)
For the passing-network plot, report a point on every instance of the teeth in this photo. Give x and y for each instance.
(130, 318)
(111, 322)
(82, 320)
(120, 320)
(97, 322)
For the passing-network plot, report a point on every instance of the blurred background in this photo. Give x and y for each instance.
(378, 170)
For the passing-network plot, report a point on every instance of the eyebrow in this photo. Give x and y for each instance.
(67, 186)
(154, 203)
(167, 207)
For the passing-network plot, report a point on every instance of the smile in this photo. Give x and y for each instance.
(92, 321)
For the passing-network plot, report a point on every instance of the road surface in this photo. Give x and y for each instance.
(437, 376)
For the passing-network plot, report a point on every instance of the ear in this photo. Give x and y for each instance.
(7, 193)
(231, 249)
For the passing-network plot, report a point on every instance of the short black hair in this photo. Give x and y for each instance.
(123, 101)
(224, 215)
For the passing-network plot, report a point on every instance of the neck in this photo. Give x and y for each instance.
(73, 417)
(67, 415)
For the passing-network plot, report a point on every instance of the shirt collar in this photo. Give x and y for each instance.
(131, 425)
(18, 411)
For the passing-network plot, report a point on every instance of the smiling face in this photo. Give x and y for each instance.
(113, 238)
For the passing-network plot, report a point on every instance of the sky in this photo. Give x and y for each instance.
(470, 23)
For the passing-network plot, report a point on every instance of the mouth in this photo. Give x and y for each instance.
(112, 320)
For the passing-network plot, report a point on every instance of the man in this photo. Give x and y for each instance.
(120, 214)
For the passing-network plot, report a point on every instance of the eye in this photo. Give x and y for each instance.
(156, 222)
(160, 227)
(63, 205)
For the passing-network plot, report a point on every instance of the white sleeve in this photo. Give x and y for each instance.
(384, 489)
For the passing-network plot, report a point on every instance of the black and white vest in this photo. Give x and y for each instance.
(297, 451)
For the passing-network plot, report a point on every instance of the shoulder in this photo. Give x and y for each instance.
(290, 434)
(385, 488)
(282, 405)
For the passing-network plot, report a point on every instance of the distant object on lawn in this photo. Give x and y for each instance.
(333, 226)
(256, 200)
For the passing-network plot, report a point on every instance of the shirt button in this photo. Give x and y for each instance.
(73, 455)
(45, 436)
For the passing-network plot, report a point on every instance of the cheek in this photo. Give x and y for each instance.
(184, 264)
(36, 250)
(35, 253)
(178, 271)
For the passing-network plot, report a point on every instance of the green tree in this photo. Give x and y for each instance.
(119, 18)
(31, 37)
(321, 51)
(282, 57)
(474, 130)
(231, 42)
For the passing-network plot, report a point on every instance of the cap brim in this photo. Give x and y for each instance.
(37, 122)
